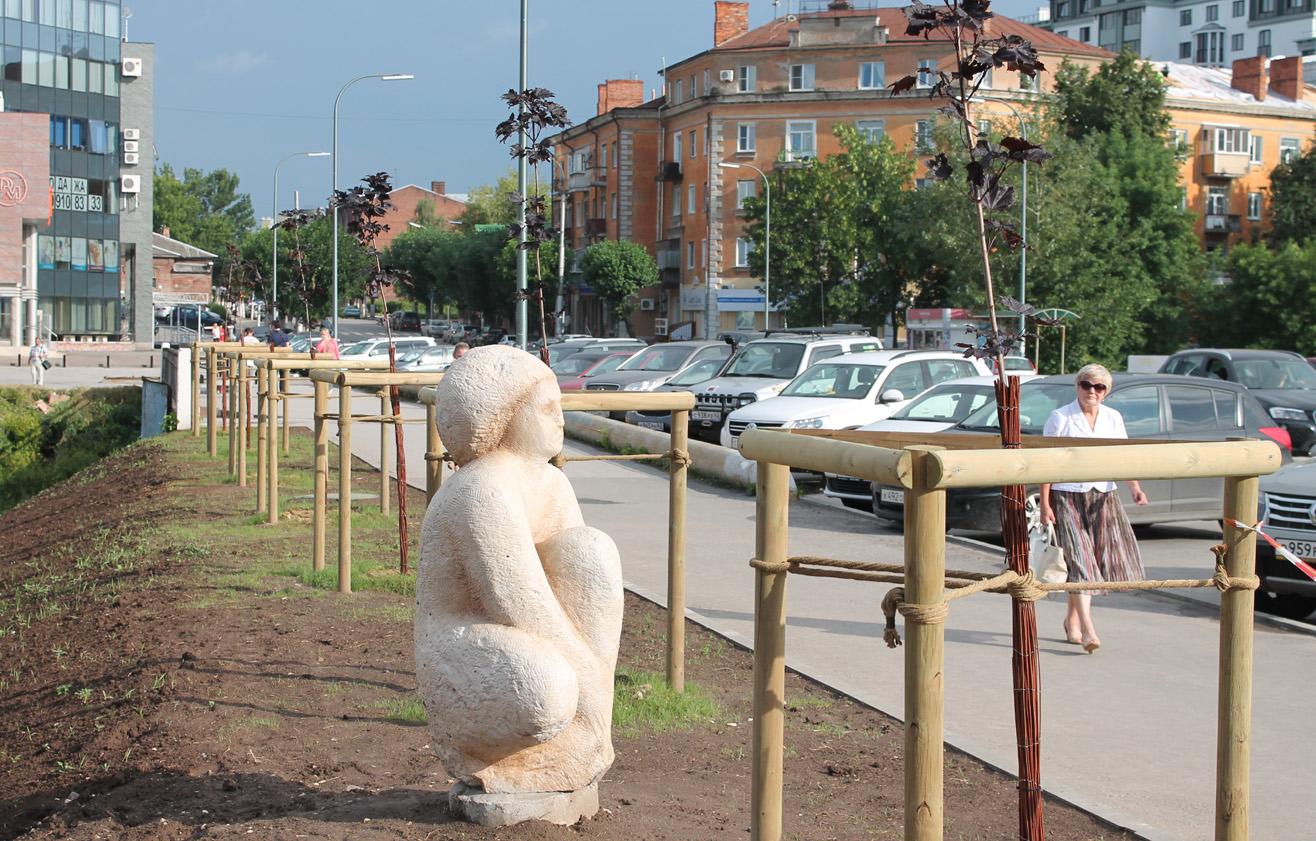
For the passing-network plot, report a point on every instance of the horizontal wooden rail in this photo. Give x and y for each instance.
(616, 401)
(353, 379)
(825, 456)
(280, 364)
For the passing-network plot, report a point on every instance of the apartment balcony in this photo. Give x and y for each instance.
(1223, 223)
(596, 227)
(580, 182)
(1225, 164)
(669, 171)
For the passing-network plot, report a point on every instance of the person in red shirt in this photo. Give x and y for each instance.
(327, 344)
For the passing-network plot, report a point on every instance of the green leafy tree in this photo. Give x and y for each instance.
(1123, 96)
(617, 270)
(203, 209)
(316, 241)
(1293, 199)
(488, 204)
(1268, 301)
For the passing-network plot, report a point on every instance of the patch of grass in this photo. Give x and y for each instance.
(228, 731)
(408, 711)
(366, 575)
(642, 701)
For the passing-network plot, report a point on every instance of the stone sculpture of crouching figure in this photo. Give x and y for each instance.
(518, 602)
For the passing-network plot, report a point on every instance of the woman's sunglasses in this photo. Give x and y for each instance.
(1099, 388)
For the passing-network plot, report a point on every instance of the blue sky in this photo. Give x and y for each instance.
(241, 83)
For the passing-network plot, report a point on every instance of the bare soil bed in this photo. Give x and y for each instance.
(172, 669)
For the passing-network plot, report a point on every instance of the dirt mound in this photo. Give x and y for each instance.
(174, 670)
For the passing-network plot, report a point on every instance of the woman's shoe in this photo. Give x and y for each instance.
(1071, 637)
(1091, 645)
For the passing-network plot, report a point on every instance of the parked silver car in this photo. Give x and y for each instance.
(1288, 513)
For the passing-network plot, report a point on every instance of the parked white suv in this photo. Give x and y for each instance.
(763, 367)
(379, 347)
(846, 392)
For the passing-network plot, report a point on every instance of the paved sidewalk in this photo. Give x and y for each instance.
(1128, 733)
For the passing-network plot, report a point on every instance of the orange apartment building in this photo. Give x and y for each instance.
(649, 171)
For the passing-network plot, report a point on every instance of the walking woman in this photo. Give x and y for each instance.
(36, 359)
(1091, 526)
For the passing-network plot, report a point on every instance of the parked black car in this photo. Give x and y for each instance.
(409, 321)
(1155, 407)
(1283, 382)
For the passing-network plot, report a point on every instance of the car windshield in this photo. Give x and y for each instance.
(658, 359)
(605, 365)
(430, 354)
(946, 404)
(410, 356)
(353, 350)
(830, 380)
(1275, 373)
(1036, 403)
(779, 360)
(697, 373)
(573, 365)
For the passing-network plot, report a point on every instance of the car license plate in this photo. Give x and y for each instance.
(598, 414)
(705, 415)
(1304, 549)
(651, 425)
(735, 442)
(893, 496)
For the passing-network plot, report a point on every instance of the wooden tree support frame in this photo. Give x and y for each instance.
(679, 403)
(216, 366)
(925, 469)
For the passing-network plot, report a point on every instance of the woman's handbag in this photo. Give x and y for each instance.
(1045, 556)
(45, 363)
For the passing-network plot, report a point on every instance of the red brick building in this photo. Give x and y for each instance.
(180, 268)
(407, 199)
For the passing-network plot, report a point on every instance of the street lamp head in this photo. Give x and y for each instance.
(729, 166)
(396, 77)
(318, 154)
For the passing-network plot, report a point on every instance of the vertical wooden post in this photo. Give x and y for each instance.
(272, 458)
(1234, 728)
(284, 382)
(321, 474)
(344, 488)
(196, 389)
(241, 420)
(925, 644)
(385, 432)
(262, 436)
(676, 490)
(433, 453)
(233, 362)
(212, 413)
(771, 519)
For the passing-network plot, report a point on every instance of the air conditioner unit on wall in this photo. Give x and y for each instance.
(647, 303)
(727, 75)
(130, 158)
(132, 134)
(130, 145)
(132, 67)
(130, 183)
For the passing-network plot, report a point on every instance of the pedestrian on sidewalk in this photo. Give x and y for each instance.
(459, 350)
(1091, 526)
(327, 344)
(277, 337)
(36, 359)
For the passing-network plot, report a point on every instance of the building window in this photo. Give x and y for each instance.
(676, 146)
(745, 137)
(1240, 8)
(1186, 17)
(694, 89)
(703, 254)
(1227, 141)
(1132, 17)
(1134, 46)
(1263, 43)
(1210, 48)
(1064, 33)
(801, 77)
(1183, 198)
(707, 79)
(689, 255)
(676, 200)
(1062, 9)
(744, 190)
(1257, 152)
(1265, 7)
(927, 72)
(1254, 206)
(1179, 143)
(1289, 149)
(800, 140)
(694, 142)
(1186, 50)
(746, 78)
(612, 199)
(690, 202)
(1212, 14)
(1085, 34)
(872, 75)
(743, 248)
(923, 138)
(1236, 42)
(872, 130)
(676, 93)
(1217, 201)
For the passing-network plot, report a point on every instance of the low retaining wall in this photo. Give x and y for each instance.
(708, 459)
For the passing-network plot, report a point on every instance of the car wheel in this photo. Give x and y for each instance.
(859, 504)
(1033, 510)
(1288, 605)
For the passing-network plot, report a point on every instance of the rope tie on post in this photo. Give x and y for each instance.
(1221, 578)
(1025, 588)
(559, 461)
(680, 457)
(764, 566)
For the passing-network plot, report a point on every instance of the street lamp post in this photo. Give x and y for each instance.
(386, 77)
(274, 296)
(767, 233)
(1023, 223)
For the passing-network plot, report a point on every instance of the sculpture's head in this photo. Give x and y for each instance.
(499, 397)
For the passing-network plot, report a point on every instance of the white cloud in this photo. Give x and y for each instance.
(238, 62)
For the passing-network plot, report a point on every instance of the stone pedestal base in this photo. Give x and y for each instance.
(559, 807)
